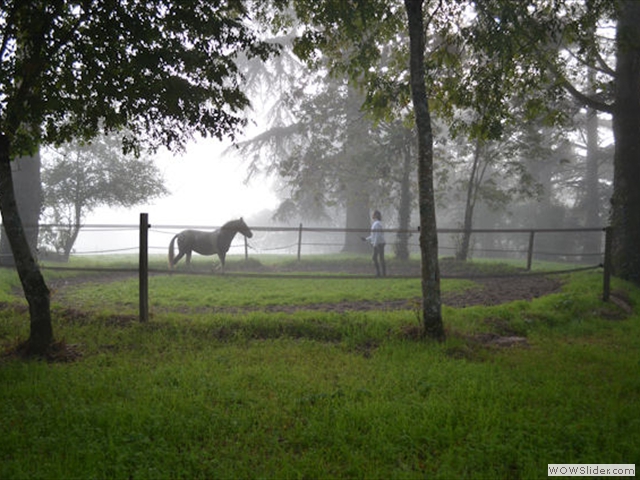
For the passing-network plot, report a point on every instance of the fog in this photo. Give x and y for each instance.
(206, 188)
(338, 165)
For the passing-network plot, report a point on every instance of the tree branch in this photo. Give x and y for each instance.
(586, 100)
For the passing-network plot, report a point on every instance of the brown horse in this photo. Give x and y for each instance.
(207, 243)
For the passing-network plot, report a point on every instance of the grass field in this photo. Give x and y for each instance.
(218, 386)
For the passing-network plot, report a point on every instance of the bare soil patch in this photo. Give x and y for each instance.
(498, 290)
(491, 291)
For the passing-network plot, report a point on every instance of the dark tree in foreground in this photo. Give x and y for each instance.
(431, 300)
(26, 177)
(68, 69)
(365, 42)
(625, 212)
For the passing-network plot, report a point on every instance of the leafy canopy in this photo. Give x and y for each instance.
(163, 70)
(80, 177)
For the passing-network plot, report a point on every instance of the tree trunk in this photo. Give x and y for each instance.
(28, 190)
(625, 202)
(404, 210)
(593, 241)
(74, 231)
(33, 284)
(356, 183)
(357, 217)
(431, 301)
(472, 194)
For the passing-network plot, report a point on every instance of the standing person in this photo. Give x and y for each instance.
(377, 240)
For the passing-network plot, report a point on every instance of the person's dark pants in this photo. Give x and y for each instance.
(378, 259)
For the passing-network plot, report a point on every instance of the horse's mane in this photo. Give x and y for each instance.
(227, 232)
(232, 224)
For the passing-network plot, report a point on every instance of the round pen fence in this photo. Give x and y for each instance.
(572, 246)
(134, 244)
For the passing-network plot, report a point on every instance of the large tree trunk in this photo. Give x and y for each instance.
(355, 179)
(33, 284)
(404, 210)
(28, 190)
(357, 204)
(592, 243)
(431, 301)
(625, 202)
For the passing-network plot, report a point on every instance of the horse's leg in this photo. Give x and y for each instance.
(177, 259)
(222, 257)
(188, 260)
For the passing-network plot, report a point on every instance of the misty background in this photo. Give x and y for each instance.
(311, 154)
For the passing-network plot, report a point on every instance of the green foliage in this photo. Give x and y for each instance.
(333, 28)
(276, 395)
(164, 71)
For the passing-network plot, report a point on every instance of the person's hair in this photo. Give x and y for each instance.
(377, 215)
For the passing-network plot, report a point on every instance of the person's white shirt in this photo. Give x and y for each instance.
(377, 236)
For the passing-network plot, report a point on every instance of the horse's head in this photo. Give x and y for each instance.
(243, 229)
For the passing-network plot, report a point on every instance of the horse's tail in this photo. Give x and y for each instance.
(171, 254)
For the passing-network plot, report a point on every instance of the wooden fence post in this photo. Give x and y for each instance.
(299, 241)
(143, 267)
(606, 277)
(246, 249)
(532, 234)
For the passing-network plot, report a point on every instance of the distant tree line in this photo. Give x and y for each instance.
(544, 158)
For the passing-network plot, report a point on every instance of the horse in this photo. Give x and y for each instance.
(207, 243)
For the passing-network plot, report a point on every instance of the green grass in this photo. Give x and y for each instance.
(199, 292)
(203, 394)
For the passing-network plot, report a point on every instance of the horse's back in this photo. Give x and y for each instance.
(200, 242)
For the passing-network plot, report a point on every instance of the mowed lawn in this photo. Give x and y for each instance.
(219, 385)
